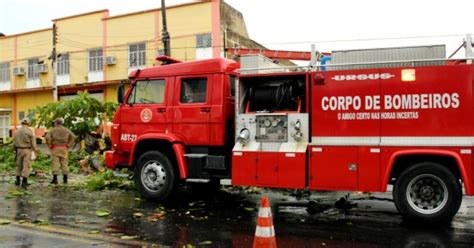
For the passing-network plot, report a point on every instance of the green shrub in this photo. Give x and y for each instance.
(7, 158)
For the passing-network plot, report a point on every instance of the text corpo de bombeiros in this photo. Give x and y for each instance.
(400, 106)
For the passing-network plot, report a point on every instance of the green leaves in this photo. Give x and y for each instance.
(4, 222)
(107, 180)
(102, 213)
(82, 114)
(7, 158)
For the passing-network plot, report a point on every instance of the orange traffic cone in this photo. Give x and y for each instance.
(265, 233)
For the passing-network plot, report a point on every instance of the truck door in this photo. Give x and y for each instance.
(192, 109)
(145, 110)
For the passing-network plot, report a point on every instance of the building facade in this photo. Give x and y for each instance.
(96, 51)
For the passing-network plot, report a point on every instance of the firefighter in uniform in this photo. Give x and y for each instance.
(24, 142)
(59, 139)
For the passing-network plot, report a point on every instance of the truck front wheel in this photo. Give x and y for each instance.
(154, 176)
(427, 192)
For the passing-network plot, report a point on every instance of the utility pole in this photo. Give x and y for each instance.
(165, 37)
(53, 61)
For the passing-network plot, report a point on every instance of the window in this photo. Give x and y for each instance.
(21, 115)
(151, 91)
(232, 84)
(203, 40)
(63, 64)
(31, 115)
(193, 90)
(4, 125)
(137, 55)
(33, 72)
(96, 60)
(4, 72)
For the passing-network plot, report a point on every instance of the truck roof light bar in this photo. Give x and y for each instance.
(167, 60)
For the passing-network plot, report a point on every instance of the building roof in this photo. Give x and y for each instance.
(25, 33)
(155, 9)
(106, 18)
(82, 14)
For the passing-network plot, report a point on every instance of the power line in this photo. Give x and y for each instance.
(364, 39)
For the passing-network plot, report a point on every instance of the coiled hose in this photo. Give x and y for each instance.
(274, 98)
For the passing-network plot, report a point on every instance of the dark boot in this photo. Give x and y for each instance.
(25, 183)
(17, 182)
(55, 179)
(65, 179)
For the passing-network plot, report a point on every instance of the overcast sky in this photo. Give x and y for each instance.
(291, 25)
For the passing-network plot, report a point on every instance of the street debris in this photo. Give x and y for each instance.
(126, 237)
(316, 208)
(137, 215)
(40, 222)
(4, 222)
(12, 193)
(207, 242)
(250, 209)
(344, 203)
(108, 180)
(102, 213)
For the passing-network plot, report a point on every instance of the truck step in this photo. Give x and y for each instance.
(197, 180)
(226, 182)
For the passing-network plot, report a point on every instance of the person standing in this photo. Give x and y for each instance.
(24, 143)
(59, 139)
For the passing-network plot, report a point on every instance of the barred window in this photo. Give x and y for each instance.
(63, 64)
(96, 62)
(203, 40)
(33, 72)
(137, 55)
(4, 72)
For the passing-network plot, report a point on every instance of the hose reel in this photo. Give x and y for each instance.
(269, 98)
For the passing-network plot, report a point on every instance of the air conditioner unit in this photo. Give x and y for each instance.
(110, 60)
(43, 68)
(18, 71)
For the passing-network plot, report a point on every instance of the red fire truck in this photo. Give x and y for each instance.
(365, 121)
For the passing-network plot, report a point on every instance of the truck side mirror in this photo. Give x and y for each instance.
(120, 93)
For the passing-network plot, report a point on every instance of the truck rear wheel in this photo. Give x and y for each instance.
(427, 192)
(154, 176)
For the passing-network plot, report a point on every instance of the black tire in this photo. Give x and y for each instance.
(154, 176)
(427, 193)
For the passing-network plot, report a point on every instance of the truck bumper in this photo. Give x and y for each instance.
(114, 159)
(109, 159)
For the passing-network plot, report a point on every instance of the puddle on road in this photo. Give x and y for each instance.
(223, 219)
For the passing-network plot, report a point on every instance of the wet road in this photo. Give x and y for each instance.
(47, 216)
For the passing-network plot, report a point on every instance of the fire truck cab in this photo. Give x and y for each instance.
(348, 125)
(175, 122)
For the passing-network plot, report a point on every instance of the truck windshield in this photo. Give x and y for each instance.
(149, 91)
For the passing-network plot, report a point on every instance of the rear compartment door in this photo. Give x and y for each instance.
(346, 113)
